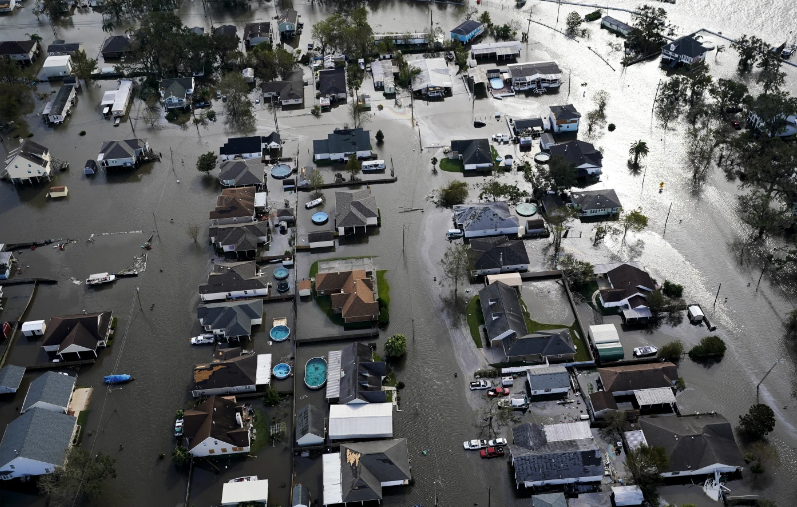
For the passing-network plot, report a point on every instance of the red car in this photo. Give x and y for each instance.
(498, 391)
(736, 125)
(492, 452)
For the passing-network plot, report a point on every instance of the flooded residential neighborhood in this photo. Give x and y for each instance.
(397, 253)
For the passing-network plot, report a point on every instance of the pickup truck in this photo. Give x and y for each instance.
(492, 452)
(474, 445)
(479, 384)
(501, 138)
(498, 391)
(203, 339)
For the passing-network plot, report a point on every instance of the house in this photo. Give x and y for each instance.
(31, 161)
(244, 492)
(627, 495)
(241, 239)
(502, 50)
(528, 128)
(358, 472)
(231, 320)
(343, 143)
(81, 334)
(24, 51)
(474, 153)
(696, 445)
(324, 239)
(310, 426)
(548, 380)
(7, 5)
(225, 31)
(255, 33)
(580, 154)
(242, 374)
(503, 316)
(434, 78)
(359, 421)
(11, 378)
(359, 376)
(686, 50)
(601, 403)
(549, 500)
(485, 219)
(547, 142)
(35, 443)
(126, 153)
(616, 26)
(564, 118)
(467, 31)
(535, 75)
(594, 203)
(332, 84)
(383, 73)
(408, 38)
(288, 23)
(176, 92)
(52, 391)
(629, 287)
(6, 259)
(234, 205)
(305, 288)
(555, 454)
(781, 124)
(625, 380)
(233, 281)
(217, 426)
(57, 66)
(283, 215)
(34, 328)
(288, 92)
(300, 496)
(115, 102)
(62, 106)
(351, 294)
(355, 209)
(498, 254)
(249, 147)
(116, 46)
(241, 173)
(555, 345)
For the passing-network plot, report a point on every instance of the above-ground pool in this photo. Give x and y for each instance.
(526, 209)
(283, 287)
(282, 370)
(279, 333)
(315, 373)
(496, 84)
(320, 218)
(280, 273)
(542, 158)
(281, 171)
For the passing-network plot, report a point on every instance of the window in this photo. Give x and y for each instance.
(12, 467)
(211, 451)
(223, 449)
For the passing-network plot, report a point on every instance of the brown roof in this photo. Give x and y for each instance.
(214, 418)
(602, 400)
(305, 284)
(353, 292)
(638, 376)
(337, 281)
(84, 330)
(234, 372)
(626, 281)
(234, 203)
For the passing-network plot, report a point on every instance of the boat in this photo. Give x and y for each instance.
(647, 350)
(243, 479)
(118, 379)
(100, 278)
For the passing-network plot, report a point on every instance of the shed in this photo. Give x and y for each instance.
(603, 333)
(310, 426)
(546, 141)
(634, 439)
(300, 496)
(34, 328)
(305, 288)
(610, 351)
(627, 495)
(358, 421)
(11, 378)
(511, 279)
(234, 493)
(647, 398)
(90, 168)
(695, 314)
(57, 66)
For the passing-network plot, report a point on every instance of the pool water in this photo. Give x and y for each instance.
(280, 273)
(279, 333)
(315, 373)
(526, 209)
(282, 370)
(496, 83)
(320, 218)
(281, 171)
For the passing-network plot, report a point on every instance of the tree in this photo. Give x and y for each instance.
(485, 19)
(456, 192)
(632, 220)
(406, 76)
(353, 167)
(601, 99)
(639, 149)
(316, 182)
(380, 136)
(271, 63)
(207, 162)
(576, 272)
(672, 351)
(271, 397)
(573, 22)
(457, 263)
(238, 107)
(80, 478)
(671, 289)
(791, 324)
(595, 120)
(181, 456)
(559, 219)
(193, 231)
(698, 80)
(83, 66)
(13, 98)
(496, 190)
(709, 346)
(702, 140)
(492, 418)
(434, 165)
(396, 345)
(749, 50)
(670, 101)
(561, 173)
(470, 13)
(615, 422)
(773, 109)
(727, 94)
(770, 78)
(763, 212)
(646, 464)
(650, 23)
(35, 37)
(358, 114)
(758, 422)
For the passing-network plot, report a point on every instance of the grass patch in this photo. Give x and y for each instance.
(377, 357)
(326, 162)
(533, 326)
(81, 421)
(494, 153)
(389, 396)
(383, 288)
(261, 431)
(113, 323)
(390, 380)
(475, 319)
(314, 267)
(451, 165)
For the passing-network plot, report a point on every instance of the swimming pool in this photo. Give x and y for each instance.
(315, 373)
(496, 83)
(281, 171)
(526, 209)
(279, 333)
(320, 218)
(282, 370)
(280, 273)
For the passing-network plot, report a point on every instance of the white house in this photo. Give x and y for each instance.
(383, 75)
(629, 287)
(233, 280)
(126, 153)
(34, 328)
(354, 210)
(686, 50)
(474, 153)
(358, 472)
(242, 374)
(35, 443)
(614, 25)
(115, 102)
(57, 66)
(343, 143)
(31, 161)
(360, 421)
(62, 106)
(545, 380)
(216, 427)
(51, 391)
(564, 118)
(582, 155)
(255, 33)
(287, 23)
(593, 203)
(485, 219)
(176, 93)
(24, 51)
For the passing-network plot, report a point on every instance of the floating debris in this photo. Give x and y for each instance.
(75, 280)
(138, 267)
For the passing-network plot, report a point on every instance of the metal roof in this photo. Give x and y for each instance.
(234, 493)
(500, 48)
(627, 495)
(535, 70)
(434, 73)
(604, 333)
(567, 431)
(263, 372)
(333, 490)
(333, 374)
(360, 420)
(655, 396)
(548, 377)
(635, 439)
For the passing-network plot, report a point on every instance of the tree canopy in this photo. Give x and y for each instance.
(396, 345)
(80, 478)
(758, 422)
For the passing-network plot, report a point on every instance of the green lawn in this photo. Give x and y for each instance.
(382, 286)
(314, 267)
(475, 319)
(451, 165)
(533, 326)
(261, 431)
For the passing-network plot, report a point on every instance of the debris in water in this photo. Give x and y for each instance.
(75, 280)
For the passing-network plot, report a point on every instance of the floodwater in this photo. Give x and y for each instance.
(168, 197)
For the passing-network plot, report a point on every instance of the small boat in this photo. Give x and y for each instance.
(243, 479)
(647, 350)
(100, 278)
(118, 379)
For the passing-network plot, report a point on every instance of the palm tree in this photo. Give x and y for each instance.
(108, 26)
(638, 149)
(720, 49)
(35, 37)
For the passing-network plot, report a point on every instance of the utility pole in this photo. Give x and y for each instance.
(156, 224)
(717, 296)
(766, 265)
(757, 386)
(569, 76)
(403, 230)
(655, 96)
(666, 220)
(171, 154)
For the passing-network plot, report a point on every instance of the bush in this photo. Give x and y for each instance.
(316, 111)
(380, 107)
(171, 116)
(211, 115)
(672, 290)
(758, 422)
(380, 136)
(400, 385)
(757, 468)
(593, 16)
(384, 317)
(749, 457)
(710, 346)
(82, 133)
(271, 397)
(672, 351)
(396, 345)
(382, 303)
(612, 126)
(455, 192)
(181, 456)
(29, 135)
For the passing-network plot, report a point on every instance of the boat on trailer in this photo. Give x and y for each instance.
(647, 350)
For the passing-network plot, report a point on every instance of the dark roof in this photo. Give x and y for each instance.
(626, 281)
(214, 418)
(63, 47)
(233, 372)
(16, 47)
(533, 68)
(529, 123)
(578, 153)
(466, 27)
(116, 44)
(242, 172)
(638, 376)
(536, 459)
(310, 421)
(121, 149)
(484, 216)
(231, 277)
(332, 81)
(501, 310)
(228, 353)
(300, 495)
(38, 434)
(693, 442)
(549, 500)
(225, 30)
(602, 400)
(596, 199)
(366, 465)
(344, 141)
(497, 252)
(11, 376)
(52, 387)
(548, 377)
(473, 151)
(234, 317)
(544, 343)
(361, 376)
(317, 237)
(176, 87)
(566, 112)
(288, 15)
(354, 208)
(292, 87)
(61, 100)
(243, 236)
(253, 30)
(85, 330)
(235, 203)
(197, 30)
(240, 145)
(551, 202)
(32, 152)
(685, 46)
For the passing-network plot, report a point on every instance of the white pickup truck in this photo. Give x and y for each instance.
(501, 138)
(480, 384)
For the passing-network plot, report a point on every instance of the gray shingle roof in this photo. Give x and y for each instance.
(11, 376)
(234, 317)
(685, 46)
(38, 434)
(61, 100)
(596, 199)
(344, 141)
(549, 500)
(550, 377)
(243, 172)
(545, 343)
(176, 87)
(354, 208)
(566, 112)
(467, 27)
(232, 277)
(536, 459)
(116, 44)
(310, 421)
(473, 151)
(54, 388)
(501, 310)
(578, 153)
(533, 68)
(361, 377)
(484, 216)
(496, 252)
(226, 373)
(14, 47)
(121, 149)
(300, 495)
(366, 465)
(332, 81)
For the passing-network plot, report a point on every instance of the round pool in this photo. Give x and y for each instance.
(542, 158)
(281, 171)
(280, 273)
(526, 209)
(496, 84)
(279, 333)
(315, 373)
(283, 287)
(282, 370)
(320, 218)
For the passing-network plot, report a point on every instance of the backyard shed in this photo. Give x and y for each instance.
(235, 493)
(359, 421)
(34, 328)
(511, 279)
(603, 333)
(695, 314)
(57, 66)
(627, 495)
(610, 351)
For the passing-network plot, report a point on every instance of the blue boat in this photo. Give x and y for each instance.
(118, 379)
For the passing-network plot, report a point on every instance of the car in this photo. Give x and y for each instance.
(492, 452)
(203, 339)
(218, 95)
(736, 125)
(257, 101)
(479, 124)
(361, 64)
(201, 105)
(479, 384)
(178, 427)
(454, 234)
(498, 391)
(474, 445)
(501, 138)
(498, 442)
(116, 122)
(310, 46)
(224, 98)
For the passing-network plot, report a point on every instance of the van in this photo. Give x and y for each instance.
(454, 234)
(373, 165)
(313, 203)
(584, 417)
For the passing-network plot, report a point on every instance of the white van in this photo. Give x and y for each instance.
(313, 203)
(373, 165)
(454, 234)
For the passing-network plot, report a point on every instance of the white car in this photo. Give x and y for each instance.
(479, 384)
(203, 339)
(497, 442)
(474, 445)
(361, 63)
